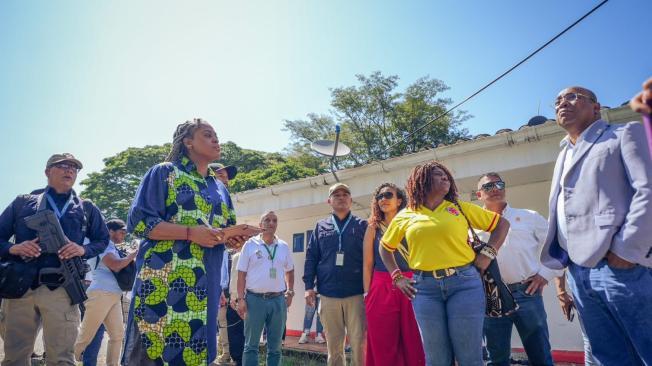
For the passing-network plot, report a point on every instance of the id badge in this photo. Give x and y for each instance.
(339, 259)
(272, 273)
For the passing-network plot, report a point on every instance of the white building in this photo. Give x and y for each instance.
(524, 158)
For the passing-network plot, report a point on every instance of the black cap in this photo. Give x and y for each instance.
(116, 224)
(231, 171)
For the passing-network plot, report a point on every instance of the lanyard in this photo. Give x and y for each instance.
(56, 209)
(272, 254)
(339, 233)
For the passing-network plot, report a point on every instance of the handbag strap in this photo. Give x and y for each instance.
(475, 236)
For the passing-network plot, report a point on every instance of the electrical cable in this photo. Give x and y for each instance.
(408, 137)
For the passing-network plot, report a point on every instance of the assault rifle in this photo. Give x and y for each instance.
(51, 239)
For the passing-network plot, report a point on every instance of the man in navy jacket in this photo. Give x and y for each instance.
(46, 303)
(334, 264)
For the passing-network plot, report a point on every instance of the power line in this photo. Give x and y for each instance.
(409, 137)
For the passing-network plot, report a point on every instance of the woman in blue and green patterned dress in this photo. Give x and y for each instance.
(173, 314)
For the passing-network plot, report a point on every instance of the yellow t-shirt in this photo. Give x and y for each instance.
(438, 239)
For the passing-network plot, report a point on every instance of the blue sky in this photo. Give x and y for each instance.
(94, 78)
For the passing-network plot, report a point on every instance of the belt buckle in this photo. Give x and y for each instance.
(443, 273)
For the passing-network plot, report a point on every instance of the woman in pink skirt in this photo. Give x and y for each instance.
(393, 336)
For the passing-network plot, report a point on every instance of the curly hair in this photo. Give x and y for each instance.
(377, 215)
(184, 130)
(420, 184)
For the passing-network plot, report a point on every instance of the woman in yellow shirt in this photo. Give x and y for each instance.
(446, 291)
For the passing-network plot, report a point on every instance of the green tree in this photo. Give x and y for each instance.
(374, 116)
(286, 171)
(113, 188)
(245, 159)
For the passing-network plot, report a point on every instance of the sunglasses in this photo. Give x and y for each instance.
(386, 195)
(66, 166)
(570, 97)
(488, 187)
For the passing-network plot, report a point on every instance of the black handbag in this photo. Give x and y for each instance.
(16, 277)
(500, 301)
(126, 276)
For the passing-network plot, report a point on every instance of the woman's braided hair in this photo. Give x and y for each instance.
(420, 184)
(377, 215)
(184, 130)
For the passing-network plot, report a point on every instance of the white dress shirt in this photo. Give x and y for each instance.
(518, 257)
(224, 271)
(255, 260)
(233, 276)
(562, 229)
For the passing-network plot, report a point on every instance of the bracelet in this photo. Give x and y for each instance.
(187, 233)
(489, 251)
(395, 273)
(397, 278)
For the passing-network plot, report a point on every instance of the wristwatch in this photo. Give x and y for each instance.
(289, 293)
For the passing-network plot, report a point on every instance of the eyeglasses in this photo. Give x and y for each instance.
(488, 187)
(66, 166)
(570, 97)
(386, 195)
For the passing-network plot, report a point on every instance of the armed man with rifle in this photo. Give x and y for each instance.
(40, 275)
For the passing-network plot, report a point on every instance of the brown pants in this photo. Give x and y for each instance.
(342, 317)
(223, 336)
(21, 318)
(102, 307)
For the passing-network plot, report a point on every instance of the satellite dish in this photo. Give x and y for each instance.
(327, 147)
(332, 149)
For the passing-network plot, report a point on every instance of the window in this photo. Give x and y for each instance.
(297, 242)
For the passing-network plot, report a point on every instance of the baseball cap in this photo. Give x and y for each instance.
(231, 171)
(116, 224)
(338, 186)
(58, 158)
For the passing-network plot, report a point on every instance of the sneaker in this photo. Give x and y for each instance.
(304, 338)
(320, 339)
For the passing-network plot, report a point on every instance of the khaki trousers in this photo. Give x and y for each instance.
(126, 302)
(102, 307)
(21, 319)
(223, 336)
(341, 317)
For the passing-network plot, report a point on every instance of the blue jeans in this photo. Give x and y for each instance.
(268, 313)
(531, 323)
(310, 315)
(450, 315)
(236, 335)
(588, 354)
(93, 349)
(615, 307)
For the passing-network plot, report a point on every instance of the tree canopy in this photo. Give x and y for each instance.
(114, 187)
(374, 115)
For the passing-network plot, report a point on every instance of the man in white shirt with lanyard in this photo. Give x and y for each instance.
(265, 290)
(522, 271)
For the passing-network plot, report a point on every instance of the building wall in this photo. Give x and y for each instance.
(524, 158)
